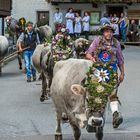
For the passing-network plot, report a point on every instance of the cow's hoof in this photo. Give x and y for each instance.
(43, 98)
(99, 133)
(58, 137)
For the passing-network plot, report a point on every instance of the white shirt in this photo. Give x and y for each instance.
(58, 17)
(86, 25)
(69, 22)
(78, 26)
(116, 26)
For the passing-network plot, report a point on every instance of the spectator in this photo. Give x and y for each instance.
(123, 26)
(110, 17)
(138, 34)
(58, 19)
(69, 21)
(116, 27)
(115, 19)
(30, 40)
(78, 26)
(86, 24)
(133, 29)
(105, 20)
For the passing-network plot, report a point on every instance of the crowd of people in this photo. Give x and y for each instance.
(75, 24)
(123, 29)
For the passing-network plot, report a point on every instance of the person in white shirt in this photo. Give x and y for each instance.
(78, 26)
(58, 19)
(86, 24)
(116, 34)
(69, 21)
(115, 19)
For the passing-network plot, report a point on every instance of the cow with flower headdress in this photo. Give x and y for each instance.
(81, 46)
(81, 88)
(60, 47)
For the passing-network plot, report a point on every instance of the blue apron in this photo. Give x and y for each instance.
(105, 58)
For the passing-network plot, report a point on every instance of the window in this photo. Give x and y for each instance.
(95, 17)
(42, 18)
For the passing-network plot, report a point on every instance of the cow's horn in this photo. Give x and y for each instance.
(77, 89)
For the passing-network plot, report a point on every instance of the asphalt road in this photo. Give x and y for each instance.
(23, 116)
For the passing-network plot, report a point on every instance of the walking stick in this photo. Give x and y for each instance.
(16, 52)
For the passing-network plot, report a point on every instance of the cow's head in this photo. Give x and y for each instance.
(85, 116)
(81, 45)
(80, 111)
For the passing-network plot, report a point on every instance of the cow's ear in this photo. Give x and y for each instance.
(78, 89)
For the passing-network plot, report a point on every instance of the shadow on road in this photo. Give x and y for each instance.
(9, 74)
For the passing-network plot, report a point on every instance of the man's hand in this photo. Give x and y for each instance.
(93, 60)
(121, 78)
(89, 56)
(20, 50)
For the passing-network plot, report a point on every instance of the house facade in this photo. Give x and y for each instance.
(5, 10)
(36, 10)
(33, 10)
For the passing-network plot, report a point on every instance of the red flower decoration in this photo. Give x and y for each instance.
(105, 55)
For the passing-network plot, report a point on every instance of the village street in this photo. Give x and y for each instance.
(24, 117)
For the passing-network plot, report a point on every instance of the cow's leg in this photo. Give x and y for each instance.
(49, 82)
(20, 61)
(76, 131)
(44, 87)
(99, 124)
(0, 69)
(99, 133)
(58, 132)
(40, 77)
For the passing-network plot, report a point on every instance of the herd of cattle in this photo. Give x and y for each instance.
(64, 79)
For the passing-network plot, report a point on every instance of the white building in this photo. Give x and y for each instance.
(32, 10)
(5, 10)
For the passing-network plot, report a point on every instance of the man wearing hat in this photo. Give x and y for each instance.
(107, 43)
(29, 39)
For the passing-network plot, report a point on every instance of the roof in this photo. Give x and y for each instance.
(94, 1)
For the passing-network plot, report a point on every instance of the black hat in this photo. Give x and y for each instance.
(107, 27)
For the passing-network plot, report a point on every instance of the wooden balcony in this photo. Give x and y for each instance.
(5, 7)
